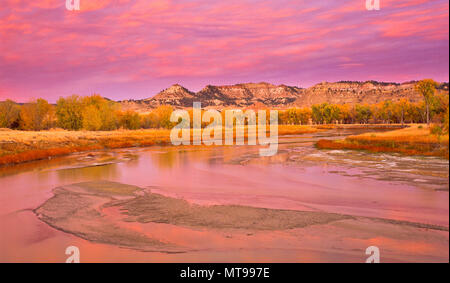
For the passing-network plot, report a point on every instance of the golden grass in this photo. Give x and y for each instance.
(414, 140)
(359, 126)
(22, 146)
(296, 129)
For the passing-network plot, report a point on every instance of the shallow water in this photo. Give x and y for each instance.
(364, 185)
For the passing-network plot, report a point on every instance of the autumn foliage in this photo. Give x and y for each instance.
(91, 113)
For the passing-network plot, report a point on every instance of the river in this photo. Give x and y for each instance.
(357, 199)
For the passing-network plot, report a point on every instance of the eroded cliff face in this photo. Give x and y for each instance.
(354, 92)
(176, 96)
(248, 95)
(265, 95)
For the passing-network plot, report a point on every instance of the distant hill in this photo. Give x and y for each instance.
(261, 95)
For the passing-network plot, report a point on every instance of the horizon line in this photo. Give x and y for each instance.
(225, 85)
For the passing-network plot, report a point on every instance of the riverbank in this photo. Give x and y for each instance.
(23, 146)
(361, 126)
(414, 140)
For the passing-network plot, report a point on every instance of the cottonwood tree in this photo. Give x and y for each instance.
(427, 88)
(97, 108)
(92, 119)
(69, 113)
(363, 113)
(402, 107)
(295, 116)
(37, 115)
(9, 114)
(163, 113)
(129, 120)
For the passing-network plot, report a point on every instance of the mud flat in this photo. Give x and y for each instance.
(125, 216)
(80, 209)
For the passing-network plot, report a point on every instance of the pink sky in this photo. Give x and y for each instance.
(135, 48)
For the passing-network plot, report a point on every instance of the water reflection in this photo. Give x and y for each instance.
(101, 172)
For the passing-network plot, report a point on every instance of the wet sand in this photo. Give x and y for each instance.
(116, 214)
(82, 210)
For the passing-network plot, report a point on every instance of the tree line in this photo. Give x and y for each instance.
(91, 113)
(387, 112)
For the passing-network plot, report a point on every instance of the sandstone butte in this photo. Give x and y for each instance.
(265, 95)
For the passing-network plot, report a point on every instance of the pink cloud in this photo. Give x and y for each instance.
(134, 48)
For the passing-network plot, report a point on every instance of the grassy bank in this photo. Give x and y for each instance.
(361, 126)
(22, 146)
(414, 140)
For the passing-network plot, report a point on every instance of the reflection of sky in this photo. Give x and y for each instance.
(90, 173)
(135, 48)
